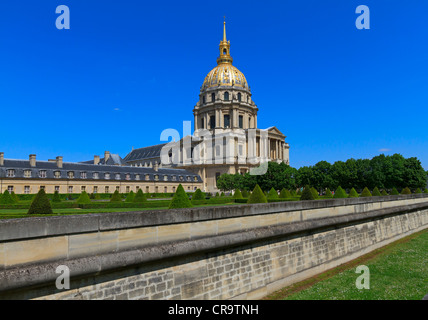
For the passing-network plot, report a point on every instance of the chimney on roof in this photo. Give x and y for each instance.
(32, 160)
(106, 156)
(59, 162)
(1, 158)
(96, 159)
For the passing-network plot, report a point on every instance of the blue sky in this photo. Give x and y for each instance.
(127, 70)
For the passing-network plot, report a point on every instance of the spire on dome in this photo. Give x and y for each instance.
(224, 48)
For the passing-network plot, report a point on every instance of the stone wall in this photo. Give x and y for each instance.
(236, 252)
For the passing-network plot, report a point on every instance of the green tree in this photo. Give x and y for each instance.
(314, 193)
(273, 194)
(366, 193)
(376, 192)
(406, 190)
(56, 197)
(340, 193)
(140, 197)
(180, 199)
(257, 196)
(284, 194)
(116, 197)
(83, 198)
(307, 194)
(238, 194)
(130, 197)
(14, 197)
(198, 195)
(328, 194)
(394, 192)
(6, 198)
(40, 204)
(353, 193)
(245, 194)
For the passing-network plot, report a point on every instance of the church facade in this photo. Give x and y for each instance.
(226, 139)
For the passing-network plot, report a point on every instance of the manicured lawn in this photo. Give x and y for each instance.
(398, 271)
(22, 213)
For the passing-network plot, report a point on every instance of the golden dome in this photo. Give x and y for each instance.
(225, 74)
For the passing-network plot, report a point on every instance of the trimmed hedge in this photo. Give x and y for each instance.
(40, 204)
(307, 194)
(238, 194)
(257, 196)
(84, 198)
(340, 193)
(180, 199)
(130, 197)
(353, 193)
(198, 195)
(394, 192)
(376, 192)
(273, 194)
(406, 190)
(284, 194)
(328, 194)
(6, 198)
(366, 193)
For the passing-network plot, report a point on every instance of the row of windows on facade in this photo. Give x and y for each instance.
(226, 122)
(10, 173)
(71, 189)
(226, 97)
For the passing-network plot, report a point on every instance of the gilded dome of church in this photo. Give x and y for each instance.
(225, 74)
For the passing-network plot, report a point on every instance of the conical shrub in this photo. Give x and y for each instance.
(40, 204)
(384, 193)
(394, 192)
(245, 194)
(307, 194)
(353, 193)
(366, 193)
(426, 190)
(83, 198)
(238, 194)
(257, 196)
(130, 197)
(14, 197)
(406, 190)
(140, 197)
(418, 190)
(284, 194)
(328, 194)
(376, 192)
(180, 199)
(198, 195)
(116, 197)
(273, 194)
(340, 193)
(56, 197)
(6, 198)
(315, 193)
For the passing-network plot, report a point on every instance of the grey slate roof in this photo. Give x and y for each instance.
(144, 153)
(114, 159)
(77, 167)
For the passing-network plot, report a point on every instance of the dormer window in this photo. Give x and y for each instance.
(27, 174)
(117, 176)
(10, 173)
(57, 174)
(70, 174)
(107, 176)
(96, 175)
(83, 175)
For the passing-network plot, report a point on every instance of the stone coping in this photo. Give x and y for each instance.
(36, 227)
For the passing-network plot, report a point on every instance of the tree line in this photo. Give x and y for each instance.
(383, 172)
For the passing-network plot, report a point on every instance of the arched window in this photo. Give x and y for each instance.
(203, 99)
(226, 96)
(224, 51)
(239, 96)
(213, 97)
